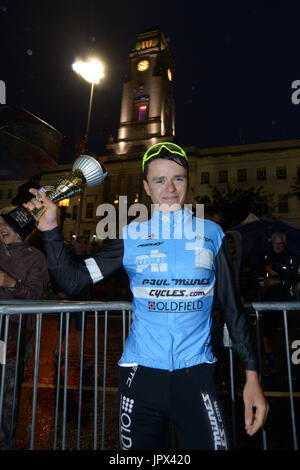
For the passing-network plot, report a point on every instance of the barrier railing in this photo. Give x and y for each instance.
(65, 308)
(284, 307)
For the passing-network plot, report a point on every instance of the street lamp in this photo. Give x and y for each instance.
(92, 71)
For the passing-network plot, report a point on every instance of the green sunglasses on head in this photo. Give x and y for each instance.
(155, 150)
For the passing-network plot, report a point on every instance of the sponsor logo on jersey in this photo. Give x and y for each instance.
(150, 244)
(177, 282)
(156, 261)
(142, 292)
(175, 307)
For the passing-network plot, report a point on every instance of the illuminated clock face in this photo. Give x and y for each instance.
(143, 65)
(169, 75)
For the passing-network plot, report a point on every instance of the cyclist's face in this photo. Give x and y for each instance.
(166, 184)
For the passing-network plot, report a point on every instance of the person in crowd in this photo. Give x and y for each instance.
(78, 253)
(280, 285)
(23, 275)
(167, 366)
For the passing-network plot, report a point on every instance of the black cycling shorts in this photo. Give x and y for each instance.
(151, 398)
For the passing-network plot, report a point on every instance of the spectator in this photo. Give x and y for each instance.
(281, 268)
(23, 275)
(78, 253)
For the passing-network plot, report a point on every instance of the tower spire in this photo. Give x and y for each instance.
(147, 108)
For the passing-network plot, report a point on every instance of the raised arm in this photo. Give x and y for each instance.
(68, 276)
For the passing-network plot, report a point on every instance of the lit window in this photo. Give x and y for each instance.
(64, 203)
(146, 44)
(142, 112)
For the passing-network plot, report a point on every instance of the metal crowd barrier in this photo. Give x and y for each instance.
(40, 308)
(284, 307)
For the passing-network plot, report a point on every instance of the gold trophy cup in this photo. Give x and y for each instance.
(86, 171)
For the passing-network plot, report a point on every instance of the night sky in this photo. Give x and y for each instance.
(235, 65)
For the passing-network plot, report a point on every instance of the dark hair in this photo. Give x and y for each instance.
(165, 155)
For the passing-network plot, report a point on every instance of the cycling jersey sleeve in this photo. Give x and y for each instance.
(71, 277)
(235, 316)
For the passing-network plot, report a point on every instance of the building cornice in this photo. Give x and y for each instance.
(248, 148)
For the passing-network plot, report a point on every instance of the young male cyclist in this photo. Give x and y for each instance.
(175, 263)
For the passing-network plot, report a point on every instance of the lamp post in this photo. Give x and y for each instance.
(92, 71)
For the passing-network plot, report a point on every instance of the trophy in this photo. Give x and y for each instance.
(86, 171)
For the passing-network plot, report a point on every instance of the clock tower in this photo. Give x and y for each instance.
(148, 107)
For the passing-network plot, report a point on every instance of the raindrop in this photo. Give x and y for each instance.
(29, 52)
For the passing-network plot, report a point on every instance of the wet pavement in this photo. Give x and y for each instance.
(278, 427)
(47, 388)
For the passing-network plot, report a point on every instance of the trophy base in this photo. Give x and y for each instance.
(21, 221)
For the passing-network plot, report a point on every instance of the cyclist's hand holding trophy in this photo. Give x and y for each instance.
(41, 211)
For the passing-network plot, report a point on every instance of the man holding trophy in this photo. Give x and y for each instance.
(167, 366)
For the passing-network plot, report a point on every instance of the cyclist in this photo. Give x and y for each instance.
(175, 263)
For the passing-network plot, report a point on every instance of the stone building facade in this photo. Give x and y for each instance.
(148, 116)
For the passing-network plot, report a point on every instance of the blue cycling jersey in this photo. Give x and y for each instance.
(170, 261)
(175, 263)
